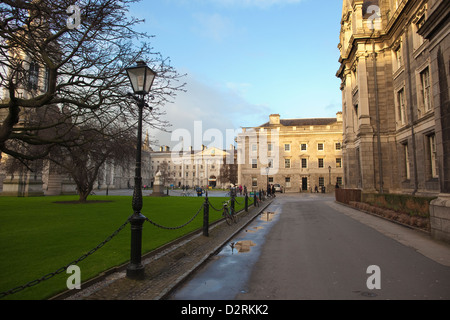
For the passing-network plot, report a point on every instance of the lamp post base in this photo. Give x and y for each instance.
(135, 269)
(136, 272)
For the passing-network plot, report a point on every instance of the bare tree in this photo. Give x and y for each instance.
(83, 160)
(47, 68)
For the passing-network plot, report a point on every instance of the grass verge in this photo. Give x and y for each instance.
(40, 235)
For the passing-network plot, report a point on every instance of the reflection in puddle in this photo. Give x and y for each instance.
(243, 246)
(254, 229)
(267, 216)
(227, 272)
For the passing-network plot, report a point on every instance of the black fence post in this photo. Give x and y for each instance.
(246, 202)
(254, 198)
(206, 216)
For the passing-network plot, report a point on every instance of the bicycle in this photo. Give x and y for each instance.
(228, 215)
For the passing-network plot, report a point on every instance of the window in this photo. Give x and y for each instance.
(270, 179)
(33, 76)
(287, 163)
(254, 182)
(320, 163)
(254, 163)
(321, 181)
(320, 146)
(287, 147)
(425, 89)
(406, 163)
(270, 163)
(401, 107)
(304, 163)
(269, 147)
(355, 116)
(338, 163)
(432, 144)
(398, 57)
(287, 181)
(303, 147)
(338, 146)
(46, 79)
(417, 38)
(339, 181)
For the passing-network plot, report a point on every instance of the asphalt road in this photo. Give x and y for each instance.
(309, 247)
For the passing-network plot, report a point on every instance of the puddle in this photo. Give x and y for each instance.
(243, 246)
(254, 229)
(267, 216)
(227, 272)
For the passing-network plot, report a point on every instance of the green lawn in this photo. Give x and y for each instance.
(38, 236)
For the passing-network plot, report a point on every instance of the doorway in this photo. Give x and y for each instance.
(304, 184)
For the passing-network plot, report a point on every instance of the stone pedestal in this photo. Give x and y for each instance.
(158, 187)
(440, 218)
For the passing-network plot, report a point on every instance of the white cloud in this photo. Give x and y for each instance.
(219, 108)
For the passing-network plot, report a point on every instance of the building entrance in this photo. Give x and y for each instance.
(304, 184)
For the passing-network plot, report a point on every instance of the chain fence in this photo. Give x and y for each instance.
(174, 228)
(109, 238)
(62, 269)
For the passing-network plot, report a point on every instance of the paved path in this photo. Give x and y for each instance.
(315, 248)
(310, 247)
(165, 268)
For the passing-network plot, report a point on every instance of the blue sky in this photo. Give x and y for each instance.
(246, 59)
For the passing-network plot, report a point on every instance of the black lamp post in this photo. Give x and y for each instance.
(141, 78)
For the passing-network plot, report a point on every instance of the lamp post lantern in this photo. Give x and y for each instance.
(141, 78)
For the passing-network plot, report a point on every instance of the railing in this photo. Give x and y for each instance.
(205, 206)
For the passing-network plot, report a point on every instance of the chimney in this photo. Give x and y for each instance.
(274, 119)
(339, 116)
(167, 148)
(161, 149)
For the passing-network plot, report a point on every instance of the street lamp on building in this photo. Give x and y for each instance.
(141, 78)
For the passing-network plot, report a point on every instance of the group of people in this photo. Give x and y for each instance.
(271, 190)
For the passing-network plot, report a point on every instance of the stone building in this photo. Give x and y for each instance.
(212, 167)
(395, 73)
(297, 154)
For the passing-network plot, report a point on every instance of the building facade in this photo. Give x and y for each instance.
(209, 167)
(297, 154)
(395, 73)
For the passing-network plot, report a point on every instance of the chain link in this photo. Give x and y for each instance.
(213, 207)
(62, 269)
(84, 256)
(174, 228)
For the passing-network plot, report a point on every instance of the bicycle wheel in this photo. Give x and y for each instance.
(228, 217)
